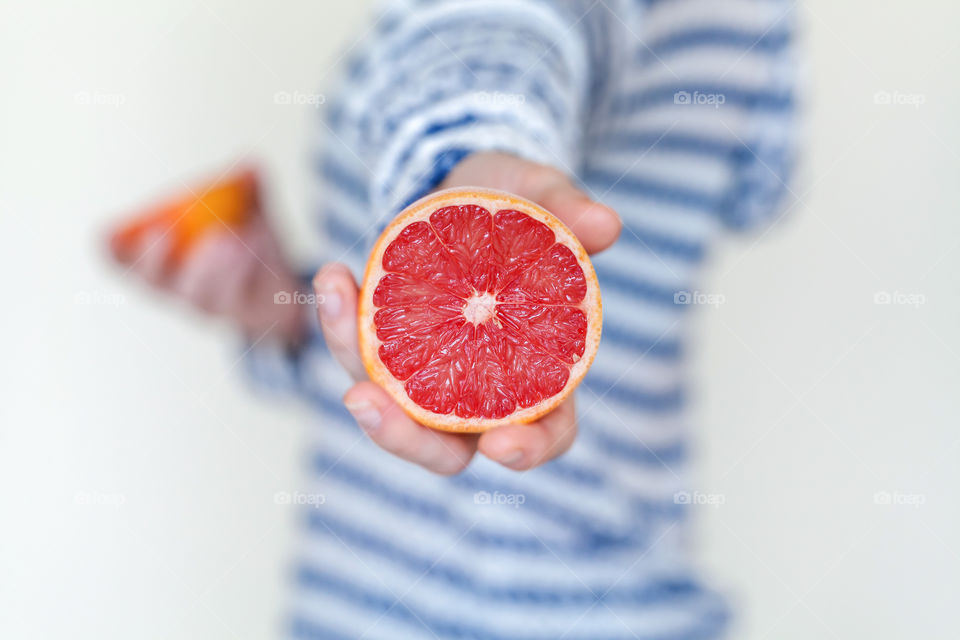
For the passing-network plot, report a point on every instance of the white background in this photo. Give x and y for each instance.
(137, 474)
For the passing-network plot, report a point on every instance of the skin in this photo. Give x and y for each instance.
(227, 275)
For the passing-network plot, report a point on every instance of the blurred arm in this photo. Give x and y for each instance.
(448, 78)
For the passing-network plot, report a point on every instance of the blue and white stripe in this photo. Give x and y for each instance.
(597, 549)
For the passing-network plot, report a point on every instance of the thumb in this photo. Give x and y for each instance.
(336, 293)
(597, 226)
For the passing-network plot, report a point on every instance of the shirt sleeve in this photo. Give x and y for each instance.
(448, 78)
(277, 369)
(722, 76)
(767, 128)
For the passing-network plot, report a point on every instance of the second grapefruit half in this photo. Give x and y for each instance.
(227, 203)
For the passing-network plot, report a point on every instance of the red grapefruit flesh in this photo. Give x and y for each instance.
(478, 308)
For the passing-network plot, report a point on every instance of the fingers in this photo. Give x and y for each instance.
(336, 292)
(215, 273)
(525, 446)
(388, 426)
(151, 259)
(597, 226)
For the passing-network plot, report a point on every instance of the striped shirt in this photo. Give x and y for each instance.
(678, 114)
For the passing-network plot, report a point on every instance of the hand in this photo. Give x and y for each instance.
(517, 447)
(231, 273)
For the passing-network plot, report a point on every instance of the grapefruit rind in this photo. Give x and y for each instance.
(493, 201)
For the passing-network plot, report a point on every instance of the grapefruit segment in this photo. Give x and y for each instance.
(406, 355)
(436, 385)
(418, 253)
(466, 233)
(555, 278)
(553, 330)
(401, 290)
(477, 309)
(535, 375)
(415, 322)
(487, 389)
(518, 242)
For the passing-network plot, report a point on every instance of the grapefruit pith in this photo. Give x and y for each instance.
(478, 308)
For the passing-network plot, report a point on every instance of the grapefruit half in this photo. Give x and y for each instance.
(230, 202)
(478, 308)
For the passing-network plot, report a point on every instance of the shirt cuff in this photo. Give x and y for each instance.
(422, 154)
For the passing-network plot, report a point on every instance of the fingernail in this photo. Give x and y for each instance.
(365, 414)
(329, 302)
(511, 458)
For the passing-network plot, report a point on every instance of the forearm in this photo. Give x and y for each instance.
(459, 77)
